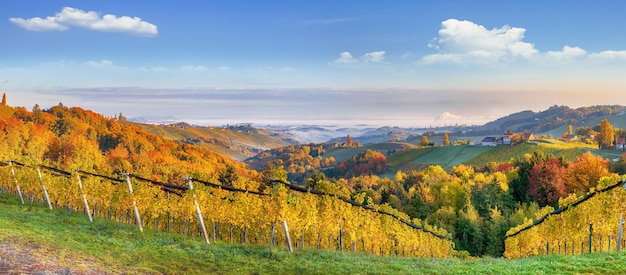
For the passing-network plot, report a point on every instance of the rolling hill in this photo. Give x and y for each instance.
(236, 142)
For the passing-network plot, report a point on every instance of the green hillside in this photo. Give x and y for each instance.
(35, 240)
(450, 156)
(445, 156)
(477, 156)
(340, 154)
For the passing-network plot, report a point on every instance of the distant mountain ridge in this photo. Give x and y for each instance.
(240, 143)
(554, 117)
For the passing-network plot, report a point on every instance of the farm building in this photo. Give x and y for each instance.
(490, 141)
(528, 136)
(619, 144)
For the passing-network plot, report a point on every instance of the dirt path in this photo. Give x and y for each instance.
(18, 257)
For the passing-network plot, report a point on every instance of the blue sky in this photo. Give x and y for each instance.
(407, 63)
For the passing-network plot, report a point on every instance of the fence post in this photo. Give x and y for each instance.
(217, 232)
(600, 243)
(80, 187)
(130, 190)
(272, 235)
(619, 232)
(198, 212)
(43, 187)
(17, 184)
(340, 239)
(590, 236)
(287, 237)
(319, 240)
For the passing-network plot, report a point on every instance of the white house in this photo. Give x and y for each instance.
(490, 141)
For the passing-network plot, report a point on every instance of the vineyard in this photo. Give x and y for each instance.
(591, 223)
(307, 218)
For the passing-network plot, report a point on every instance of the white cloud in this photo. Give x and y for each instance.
(371, 57)
(38, 24)
(224, 69)
(465, 42)
(375, 57)
(88, 20)
(345, 58)
(99, 64)
(103, 64)
(408, 55)
(608, 56)
(468, 42)
(568, 53)
(158, 69)
(447, 116)
(194, 68)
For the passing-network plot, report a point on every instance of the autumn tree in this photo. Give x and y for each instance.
(348, 141)
(424, 141)
(570, 129)
(585, 172)
(366, 163)
(605, 138)
(516, 138)
(4, 99)
(546, 181)
(446, 139)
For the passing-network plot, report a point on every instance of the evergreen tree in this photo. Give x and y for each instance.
(4, 99)
(349, 141)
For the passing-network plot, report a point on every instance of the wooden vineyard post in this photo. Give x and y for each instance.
(285, 227)
(590, 236)
(340, 239)
(287, 237)
(130, 190)
(80, 186)
(600, 243)
(272, 236)
(43, 187)
(199, 213)
(620, 231)
(17, 184)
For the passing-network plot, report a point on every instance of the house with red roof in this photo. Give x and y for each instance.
(619, 144)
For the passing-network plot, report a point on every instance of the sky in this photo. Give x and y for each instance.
(394, 63)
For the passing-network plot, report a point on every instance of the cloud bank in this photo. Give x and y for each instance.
(465, 42)
(91, 20)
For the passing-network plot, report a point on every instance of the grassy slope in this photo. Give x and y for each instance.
(450, 156)
(122, 249)
(341, 154)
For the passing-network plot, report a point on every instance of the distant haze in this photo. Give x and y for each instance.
(408, 63)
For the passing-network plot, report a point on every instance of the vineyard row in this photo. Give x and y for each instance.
(310, 213)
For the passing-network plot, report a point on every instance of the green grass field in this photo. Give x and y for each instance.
(117, 248)
(450, 156)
